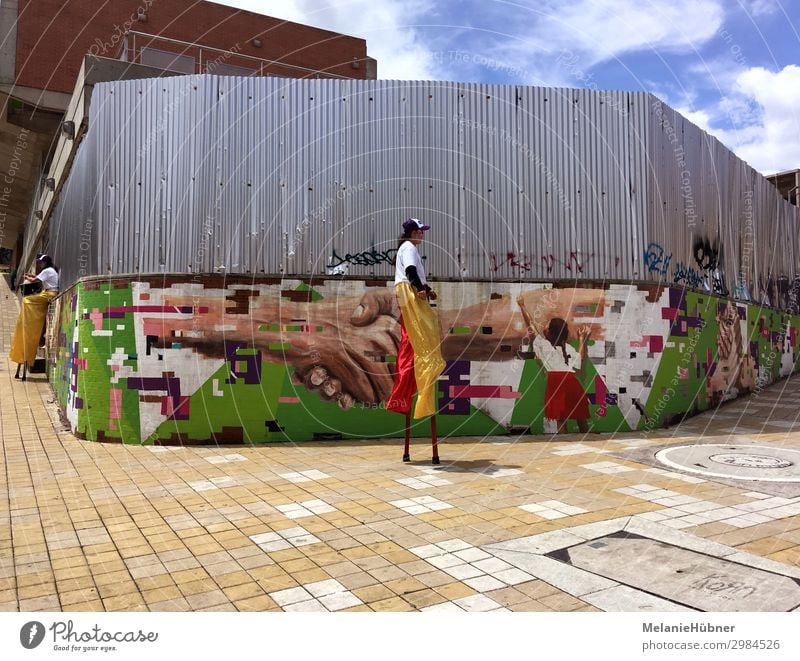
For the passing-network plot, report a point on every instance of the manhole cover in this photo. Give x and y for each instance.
(742, 462)
(687, 577)
(750, 460)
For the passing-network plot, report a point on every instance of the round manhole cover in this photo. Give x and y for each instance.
(741, 462)
(750, 460)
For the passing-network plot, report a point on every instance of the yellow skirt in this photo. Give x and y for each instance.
(30, 325)
(422, 326)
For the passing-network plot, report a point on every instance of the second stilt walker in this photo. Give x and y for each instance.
(419, 359)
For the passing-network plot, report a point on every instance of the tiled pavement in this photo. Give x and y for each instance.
(343, 526)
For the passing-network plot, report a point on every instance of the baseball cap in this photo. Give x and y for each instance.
(415, 224)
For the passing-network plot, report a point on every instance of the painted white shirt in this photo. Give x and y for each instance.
(49, 279)
(552, 357)
(408, 255)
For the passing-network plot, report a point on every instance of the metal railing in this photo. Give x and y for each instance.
(207, 59)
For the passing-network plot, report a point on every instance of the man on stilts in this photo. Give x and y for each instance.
(419, 359)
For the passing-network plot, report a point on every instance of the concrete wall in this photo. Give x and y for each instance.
(197, 359)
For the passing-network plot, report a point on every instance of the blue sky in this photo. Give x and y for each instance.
(730, 66)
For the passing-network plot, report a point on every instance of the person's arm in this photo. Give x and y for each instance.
(424, 291)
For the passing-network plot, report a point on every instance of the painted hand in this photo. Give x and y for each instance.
(336, 348)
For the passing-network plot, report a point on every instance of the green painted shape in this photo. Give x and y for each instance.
(670, 395)
(61, 369)
(313, 415)
(459, 330)
(94, 382)
(315, 295)
(248, 406)
(529, 409)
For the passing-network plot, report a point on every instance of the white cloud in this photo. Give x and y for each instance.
(757, 8)
(605, 29)
(777, 145)
(758, 118)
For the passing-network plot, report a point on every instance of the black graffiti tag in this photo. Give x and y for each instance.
(366, 258)
(706, 253)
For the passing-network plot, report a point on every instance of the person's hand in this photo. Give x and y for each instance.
(423, 294)
(584, 332)
(432, 295)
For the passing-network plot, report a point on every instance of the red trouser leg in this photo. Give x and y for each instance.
(405, 385)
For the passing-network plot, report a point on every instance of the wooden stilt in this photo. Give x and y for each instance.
(434, 441)
(407, 451)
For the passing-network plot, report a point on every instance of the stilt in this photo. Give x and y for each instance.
(24, 367)
(434, 441)
(407, 451)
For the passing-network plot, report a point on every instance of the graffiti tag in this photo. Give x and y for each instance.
(512, 259)
(706, 253)
(721, 585)
(656, 260)
(366, 258)
(686, 275)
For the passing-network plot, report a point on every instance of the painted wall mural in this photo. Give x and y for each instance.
(197, 359)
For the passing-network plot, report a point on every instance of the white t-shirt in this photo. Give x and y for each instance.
(553, 358)
(49, 279)
(408, 255)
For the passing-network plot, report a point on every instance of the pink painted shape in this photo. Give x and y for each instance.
(183, 408)
(96, 318)
(670, 313)
(496, 392)
(114, 407)
(288, 400)
(792, 337)
(656, 344)
(600, 391)
(640, 343)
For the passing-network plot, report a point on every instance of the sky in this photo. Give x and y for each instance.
(730, 66)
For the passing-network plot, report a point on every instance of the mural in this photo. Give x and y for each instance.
(198, 359)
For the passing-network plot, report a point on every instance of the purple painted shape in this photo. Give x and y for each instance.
(178, 409)
(78, 403)
(230, 349)
(148, 383)
(75, 366)
(251, 372)
(677, 298)
(456, 373)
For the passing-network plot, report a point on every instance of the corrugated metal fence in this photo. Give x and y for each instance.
(250, 175)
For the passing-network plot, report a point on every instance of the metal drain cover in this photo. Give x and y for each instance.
(744, 460)
(741, 462)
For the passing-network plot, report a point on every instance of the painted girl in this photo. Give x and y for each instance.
(564, 395)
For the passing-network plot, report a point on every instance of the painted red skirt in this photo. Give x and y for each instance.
(564, 398)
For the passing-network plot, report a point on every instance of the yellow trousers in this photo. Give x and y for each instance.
(30, 325)
(422, 326)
